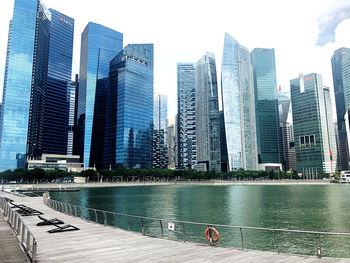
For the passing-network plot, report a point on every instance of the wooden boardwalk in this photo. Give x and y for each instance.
(97, 243)
(10, 250)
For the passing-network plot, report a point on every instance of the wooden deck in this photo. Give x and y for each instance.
(97, 243)
(10, 250)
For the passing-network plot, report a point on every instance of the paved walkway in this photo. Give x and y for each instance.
(97, 243)
(10, 250)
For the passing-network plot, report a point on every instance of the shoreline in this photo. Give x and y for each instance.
(48, 186)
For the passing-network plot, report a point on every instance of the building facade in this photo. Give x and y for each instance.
(25, 82)
(171, 146)
(160, 132)
(129, 103)
(207, 114)
(341, 81)
(186, 116)
(239, 106)
(286, 131)
(99, 45)
(55, 134)
(266, 105)
(314, 137)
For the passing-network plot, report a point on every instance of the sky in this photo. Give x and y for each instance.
(303, 33)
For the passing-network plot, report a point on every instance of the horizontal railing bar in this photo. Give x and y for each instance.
(218, 225)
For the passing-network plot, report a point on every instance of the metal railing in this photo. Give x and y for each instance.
(23, 234)
(242, 237)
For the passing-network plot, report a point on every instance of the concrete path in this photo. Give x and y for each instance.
(97, 243)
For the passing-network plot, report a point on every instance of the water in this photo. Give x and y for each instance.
(322, 208)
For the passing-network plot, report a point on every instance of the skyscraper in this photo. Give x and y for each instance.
(287, 135)
(160, 132)
(207, 113)
(25, 83)
(314, 136)
(186, 115)
(55, 134)
(99, 45)
(130, 108)
(341, 81)
(238, 106)
(267, 120)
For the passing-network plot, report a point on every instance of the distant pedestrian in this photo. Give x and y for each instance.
(2, 188)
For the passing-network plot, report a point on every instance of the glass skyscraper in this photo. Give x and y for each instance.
(314, 137)
(186, 115)
(207, 113)
(99, 45)
(160, 132)
(341, 81)
(55, 137)
(129, 126)
(239, 106)
(267, 120)
(24, 91)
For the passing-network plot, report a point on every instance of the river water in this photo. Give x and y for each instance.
(324, 208)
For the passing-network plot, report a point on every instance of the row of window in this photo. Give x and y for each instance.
(307, 140)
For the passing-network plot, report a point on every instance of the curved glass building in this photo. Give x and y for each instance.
(239, 106)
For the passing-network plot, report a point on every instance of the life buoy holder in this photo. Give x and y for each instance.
(210, 238)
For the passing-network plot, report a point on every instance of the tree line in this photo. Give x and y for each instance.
(127, 175)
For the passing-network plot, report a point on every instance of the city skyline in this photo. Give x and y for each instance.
(175, 42)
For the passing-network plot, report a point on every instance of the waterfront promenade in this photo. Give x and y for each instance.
(98, 243)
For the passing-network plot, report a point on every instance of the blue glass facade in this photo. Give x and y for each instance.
(238, 106)
(99, 45)
(341, 81)
(130, 108)
(17, 95)
(58, 81)
(267, 119)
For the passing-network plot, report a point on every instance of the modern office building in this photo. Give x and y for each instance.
(130, 109)
(160, 132)
(207, 114)
(171, 146)
(25, 83)
(71, 98)
(99, 45)
(266, 105)
(341, 81)
(223, 146)
(314, 137)
(238, 99)
(286, 131)
(58, 90)
(186, 116)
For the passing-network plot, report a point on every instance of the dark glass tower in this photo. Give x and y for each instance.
(24, 94)
(186, 115)
(130, 108)
(160, 132)
(267, 119)
(58, 84)
(99, 45)
(341, 81)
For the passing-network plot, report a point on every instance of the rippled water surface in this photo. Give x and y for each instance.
(323, 208)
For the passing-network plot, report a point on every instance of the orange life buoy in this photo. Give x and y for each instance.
(213, 230)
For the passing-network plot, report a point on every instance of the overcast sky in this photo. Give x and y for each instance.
(303, 33)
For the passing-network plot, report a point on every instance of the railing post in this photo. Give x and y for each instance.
(242, 238)
(115, 220)
(81, 213)
(22, 234)
(142, 226)
(161, 229)
(183, 230)
(27, 241)
(88, 213)
(104, 218)
(34, 250)
(75, 211)
(96, 219)
(128, 223)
